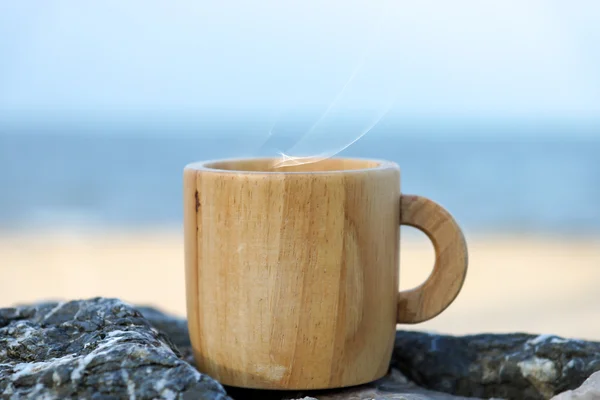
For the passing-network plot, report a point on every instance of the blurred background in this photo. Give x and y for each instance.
(491, 108)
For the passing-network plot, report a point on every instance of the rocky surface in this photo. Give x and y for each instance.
(104, 349)
(513, 366)
(590, 390)
(97, 349)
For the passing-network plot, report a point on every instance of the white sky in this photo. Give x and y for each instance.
(460, 57)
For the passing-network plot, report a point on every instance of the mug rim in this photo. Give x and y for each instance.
(204, 166)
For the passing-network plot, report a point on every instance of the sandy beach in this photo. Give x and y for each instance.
(514, 283)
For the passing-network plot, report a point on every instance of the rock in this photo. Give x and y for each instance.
(512, 366)
(174, 328)
(101, 349)
(590, 390)
(96, 349)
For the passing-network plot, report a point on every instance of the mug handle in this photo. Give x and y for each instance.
(441, 288)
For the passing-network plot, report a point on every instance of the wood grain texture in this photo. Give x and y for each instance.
(292, 274)
(445, 282)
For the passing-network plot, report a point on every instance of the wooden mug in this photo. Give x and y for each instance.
(292, 272)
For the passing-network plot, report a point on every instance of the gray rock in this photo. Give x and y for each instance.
(103, 349)
(174, 328)
(512, 366)
(96, 349)
(590, 390)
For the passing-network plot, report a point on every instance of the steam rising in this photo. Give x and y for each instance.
(288, 160)
(359, 105)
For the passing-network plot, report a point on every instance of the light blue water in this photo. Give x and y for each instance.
(133, 178)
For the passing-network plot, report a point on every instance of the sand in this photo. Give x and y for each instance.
(514, 284)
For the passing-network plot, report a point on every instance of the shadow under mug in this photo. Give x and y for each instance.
(292, 272)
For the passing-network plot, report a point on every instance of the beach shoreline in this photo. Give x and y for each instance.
(515, 283)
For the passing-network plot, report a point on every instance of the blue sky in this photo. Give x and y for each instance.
(461, 58)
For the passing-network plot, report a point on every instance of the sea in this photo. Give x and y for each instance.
(493, 176)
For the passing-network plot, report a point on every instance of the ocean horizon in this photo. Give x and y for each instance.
(526, 178)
